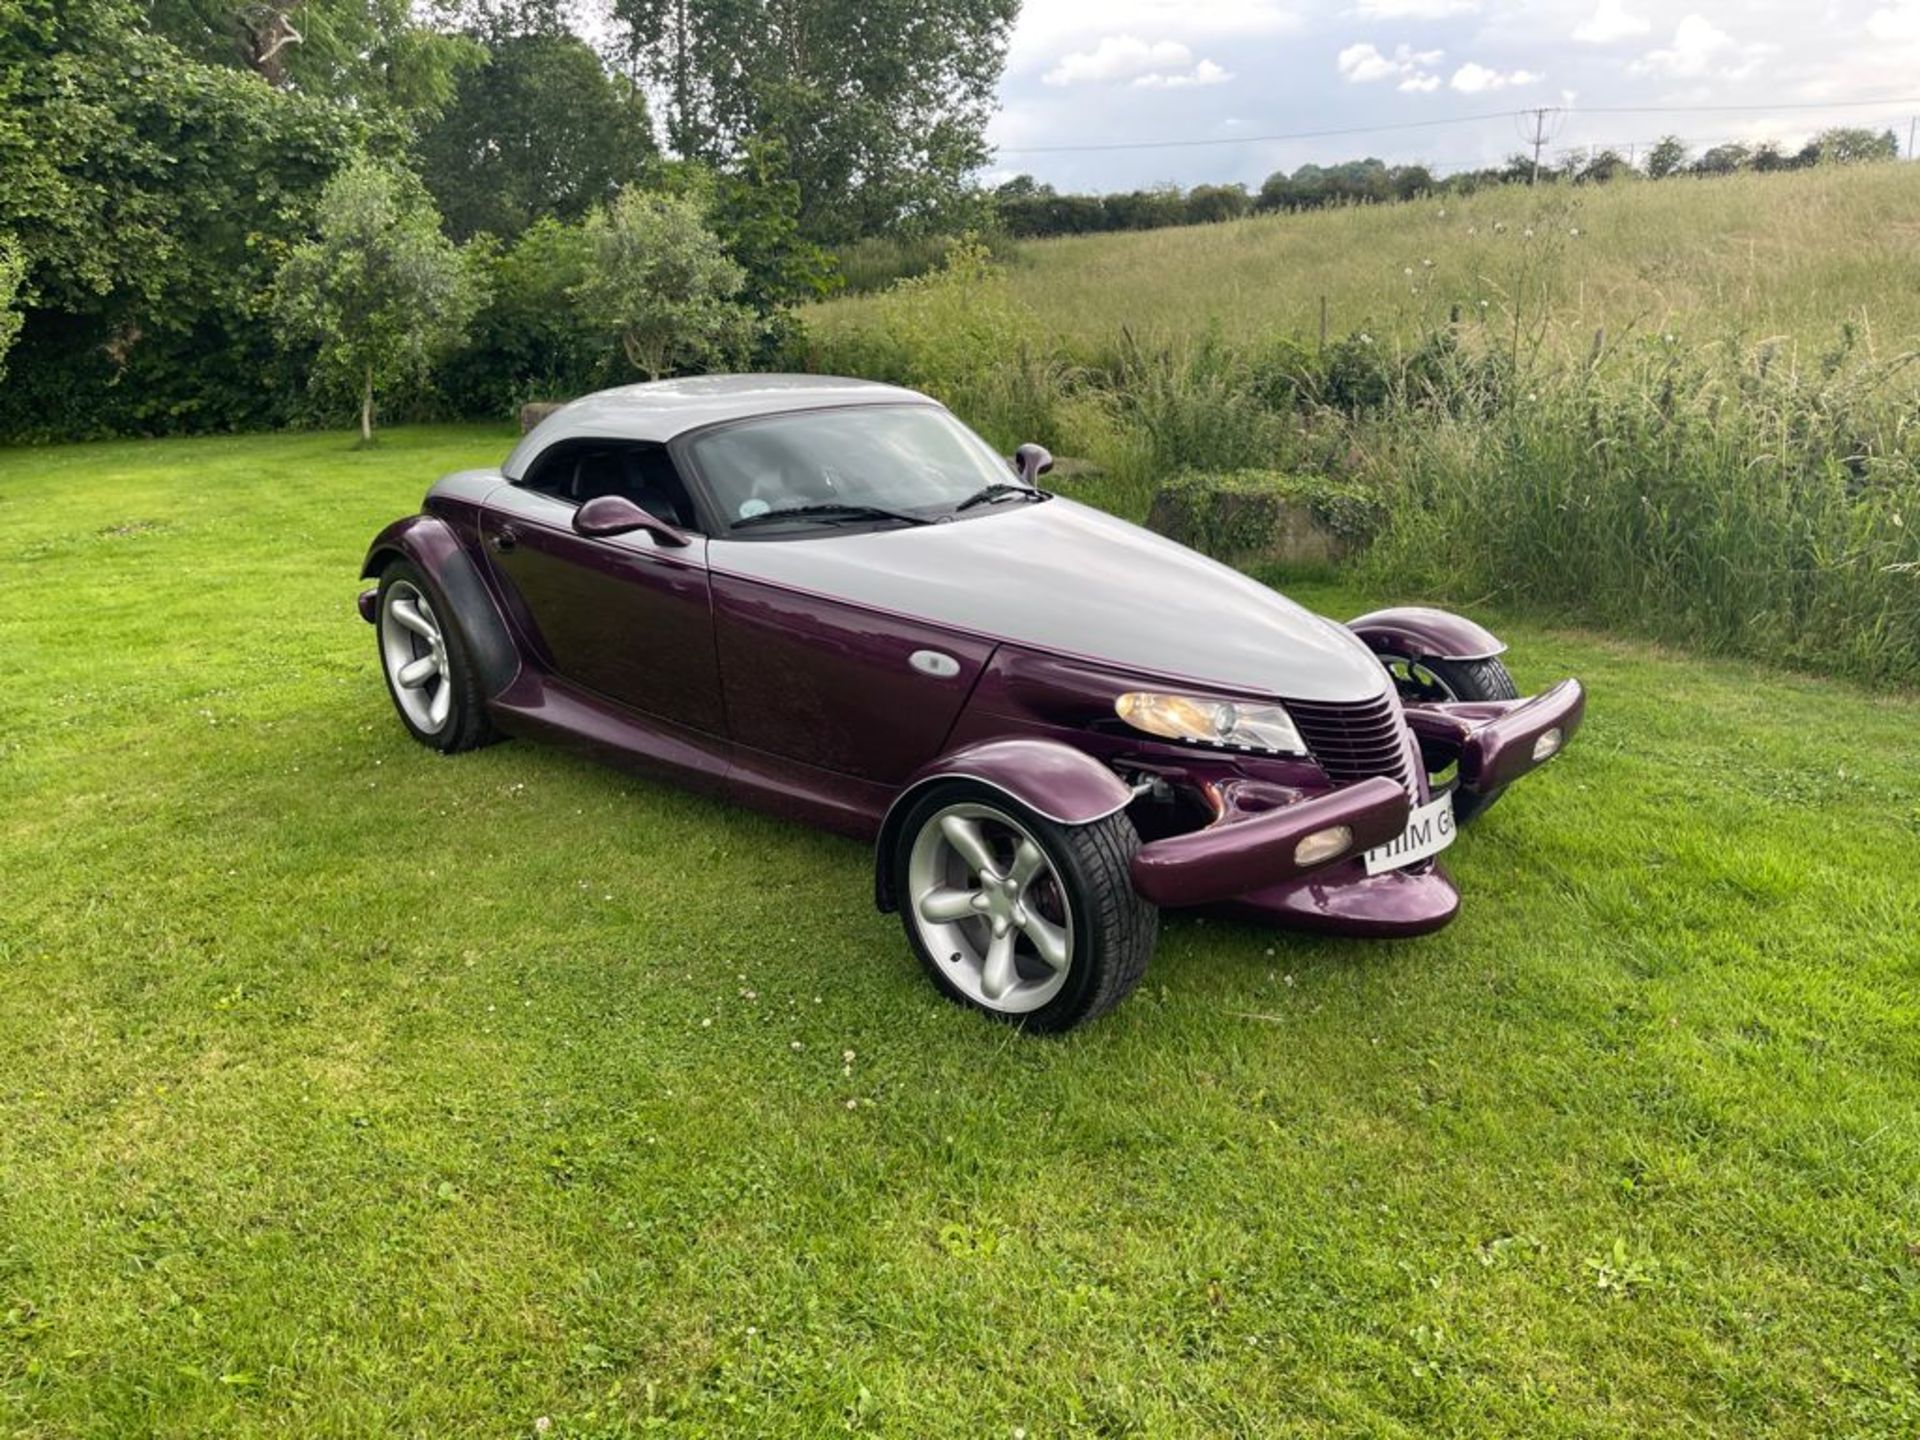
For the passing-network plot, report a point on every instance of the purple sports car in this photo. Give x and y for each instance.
(832, 600)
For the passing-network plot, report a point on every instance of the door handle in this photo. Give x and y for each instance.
(505, 538)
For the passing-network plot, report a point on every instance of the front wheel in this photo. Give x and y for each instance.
(1034, 922)
(1432, 680)
(430, 676)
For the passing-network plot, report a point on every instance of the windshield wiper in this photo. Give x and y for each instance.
(998, 490)
(830, 511)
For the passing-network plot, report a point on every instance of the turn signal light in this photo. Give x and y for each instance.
(1548, 745)
(1323, 845)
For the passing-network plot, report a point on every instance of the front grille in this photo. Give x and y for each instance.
(1356, 741)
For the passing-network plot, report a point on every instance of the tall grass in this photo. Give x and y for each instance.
(1753, 498)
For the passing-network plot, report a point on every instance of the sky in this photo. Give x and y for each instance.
(1104, 72)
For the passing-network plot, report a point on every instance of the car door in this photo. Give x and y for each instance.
(844, 688)
(623, 616)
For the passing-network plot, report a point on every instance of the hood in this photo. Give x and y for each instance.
(1066, 578)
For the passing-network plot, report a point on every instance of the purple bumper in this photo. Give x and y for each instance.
(1498, 741)
(369, 603)
(1234, 857)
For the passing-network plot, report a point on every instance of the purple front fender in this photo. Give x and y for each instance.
(431, 546)
(1418, 632)
(1063, 784)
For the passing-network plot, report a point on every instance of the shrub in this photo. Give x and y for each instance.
(661, 283)
(1259, 514)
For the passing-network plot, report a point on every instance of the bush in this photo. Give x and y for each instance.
(1299, 520)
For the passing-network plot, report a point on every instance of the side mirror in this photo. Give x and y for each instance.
(1031, 461)
(606, 515)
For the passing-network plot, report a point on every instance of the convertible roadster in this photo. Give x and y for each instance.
(832, 600)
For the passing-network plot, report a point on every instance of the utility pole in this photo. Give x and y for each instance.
(1911, 122)
(1538, 139)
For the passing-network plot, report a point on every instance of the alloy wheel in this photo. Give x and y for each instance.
(985, 899)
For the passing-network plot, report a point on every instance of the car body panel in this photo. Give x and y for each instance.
(622, 616)
(663, 410)
(1068, 579)
(1419, 632)
(835, 685)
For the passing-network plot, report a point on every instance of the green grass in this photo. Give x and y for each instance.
(349, 1090)
(1788, 255)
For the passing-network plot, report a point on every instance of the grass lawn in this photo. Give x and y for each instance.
(348, 1090)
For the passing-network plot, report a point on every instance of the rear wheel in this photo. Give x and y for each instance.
(429, 674)
(1443, 680)
(1034, 922)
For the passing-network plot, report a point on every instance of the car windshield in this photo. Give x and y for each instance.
(845, 466)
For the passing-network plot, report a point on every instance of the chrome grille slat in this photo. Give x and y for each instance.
(1355, 742)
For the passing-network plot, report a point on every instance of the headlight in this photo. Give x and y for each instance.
(1211, 722)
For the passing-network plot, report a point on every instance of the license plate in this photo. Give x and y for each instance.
(1429, 831)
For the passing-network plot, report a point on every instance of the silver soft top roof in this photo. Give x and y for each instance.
(662, 409)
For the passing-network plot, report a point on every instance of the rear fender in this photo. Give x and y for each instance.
(1416, 632)
(1065, 785)
(431, 544)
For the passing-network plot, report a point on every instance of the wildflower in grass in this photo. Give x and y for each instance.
(1575, 231)
(1527, 234)
(1426, 264)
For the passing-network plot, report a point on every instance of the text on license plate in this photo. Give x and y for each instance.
(1429, 831)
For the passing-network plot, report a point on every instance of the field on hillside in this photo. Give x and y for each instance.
(349, 1090)
(1756, 256)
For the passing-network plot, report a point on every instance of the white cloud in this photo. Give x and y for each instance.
(1205, 73)
(1362, 63)
(1701, 48)
(1474, 79)
(1420, 84)
(1611, 21)
(1899, 23)
(1118, 57)
(1413, 9)
(1047, 27)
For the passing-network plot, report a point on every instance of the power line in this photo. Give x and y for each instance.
(1259, 139)
(1479, 119)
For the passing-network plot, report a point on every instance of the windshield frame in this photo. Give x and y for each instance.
(720, 526)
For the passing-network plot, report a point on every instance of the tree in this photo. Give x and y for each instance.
(662, 283)
(1668, 157)
(756, 211)
(371, 55)
(1602, 166)
(13, 272)
(882, 104)
(1723, 160)
(540, 129)
(1844, 146)
(1208, 204)
(153, 195)
(379, 292)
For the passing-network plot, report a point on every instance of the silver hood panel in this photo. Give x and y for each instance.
(1066, 578)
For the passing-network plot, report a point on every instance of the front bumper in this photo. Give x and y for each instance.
(1495, 742)
(1247, 860)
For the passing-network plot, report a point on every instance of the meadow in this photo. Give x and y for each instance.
(1681, 408)
(1740, 258)
(346, 1089)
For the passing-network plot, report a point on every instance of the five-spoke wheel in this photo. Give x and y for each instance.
(1020, 916)
(415, 654)
(425, 661)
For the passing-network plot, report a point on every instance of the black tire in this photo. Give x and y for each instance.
(1473, 680)
(468, 726)
(1113, 930)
